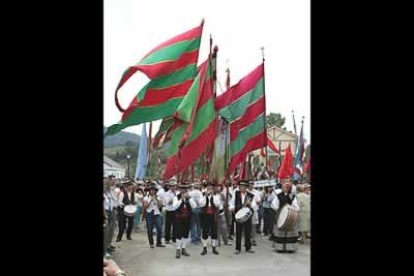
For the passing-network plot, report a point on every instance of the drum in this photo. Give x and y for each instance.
(243, 214)
(287, 218)
(130, 210)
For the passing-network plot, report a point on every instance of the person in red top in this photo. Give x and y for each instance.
(209, 204)
(183, 203)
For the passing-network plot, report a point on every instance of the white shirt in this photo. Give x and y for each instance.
(177, 202)
(268, 198)
(196, 195)
(108, 203)
(139, 198)
(121, 198)
(257, 196)
(294, 190)
(114, 197)
(153, 205)
(275, 204)
(216, 200)
(232, 204)
(168, 200)
(161, 194)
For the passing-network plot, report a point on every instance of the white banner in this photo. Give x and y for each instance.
(265, 183)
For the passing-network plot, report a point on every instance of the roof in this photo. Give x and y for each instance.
(293, 135)
(112, 163)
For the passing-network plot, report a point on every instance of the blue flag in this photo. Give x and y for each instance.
(142, 154)
(297, 172)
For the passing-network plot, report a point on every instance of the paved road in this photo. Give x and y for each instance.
(137, 259)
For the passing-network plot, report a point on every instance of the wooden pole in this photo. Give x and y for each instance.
(264, 95)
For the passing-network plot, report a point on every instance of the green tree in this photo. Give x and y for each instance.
(275, 119)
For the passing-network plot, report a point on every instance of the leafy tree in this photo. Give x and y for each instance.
(275, 119)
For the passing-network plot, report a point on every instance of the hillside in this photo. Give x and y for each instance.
(121, 139)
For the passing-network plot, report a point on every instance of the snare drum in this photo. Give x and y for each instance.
(130, 210)
(243, 214)
(287, 218)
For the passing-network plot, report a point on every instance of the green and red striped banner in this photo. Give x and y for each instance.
(194, 124)
(162, 135)
(243, 106)
(171, 66)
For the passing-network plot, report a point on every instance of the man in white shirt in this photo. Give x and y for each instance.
(268, 197)
(196, 195)
(222, 224)
(243, 198)
(162, 190)
(114, 213)
(152, 205)
(231, 220)
(168, 199)
(108, 209)
(183, 204)
(127, 197)
(209, 204)
(255, 217)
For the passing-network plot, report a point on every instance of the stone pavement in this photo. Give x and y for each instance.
(136, 258)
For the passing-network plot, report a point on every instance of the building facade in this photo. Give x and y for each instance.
(113, 168)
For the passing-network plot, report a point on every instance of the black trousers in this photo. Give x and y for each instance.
(267, 220)
(209, 226)
(122, 221)
(170, 221)
(233, 221)
(183, 227)
(272, 220)
(247, 228)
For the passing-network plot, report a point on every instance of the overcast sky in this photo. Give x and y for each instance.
(240, 28)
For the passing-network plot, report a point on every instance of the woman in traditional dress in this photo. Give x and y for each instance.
(285, 241)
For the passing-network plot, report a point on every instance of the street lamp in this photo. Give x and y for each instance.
(128, 157)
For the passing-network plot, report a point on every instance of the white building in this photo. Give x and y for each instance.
(281, 138)
(113, 168)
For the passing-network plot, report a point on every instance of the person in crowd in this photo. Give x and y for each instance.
(139, 195)
(304, 213)
(267, 210)
(243, 198)
(106, 213)
(183, 203)
(255, 217)
(196, 195)
(152, 205)
(127, 197)
(115, 203)
(286, 241)
(170, 212)
(209, 203)
(222, 229)
(232, 223)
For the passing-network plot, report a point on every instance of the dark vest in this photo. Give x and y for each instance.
(126, 200)
(283, 200)
(238, 202)
(179, 210)
(209, 203)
